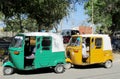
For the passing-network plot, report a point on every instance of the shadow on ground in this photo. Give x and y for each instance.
(88, 66)
(37, 71)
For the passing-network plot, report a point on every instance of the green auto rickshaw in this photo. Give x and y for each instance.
(49, 52)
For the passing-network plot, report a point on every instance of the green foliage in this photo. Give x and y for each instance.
(46, 13)
(28, 24)
(13, 10)
(1, 16)
(106, 13)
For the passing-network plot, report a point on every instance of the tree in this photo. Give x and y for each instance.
(12, 9)
(28, 24)
(47, 13)
(106, 14)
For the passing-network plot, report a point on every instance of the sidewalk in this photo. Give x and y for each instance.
(116, 57)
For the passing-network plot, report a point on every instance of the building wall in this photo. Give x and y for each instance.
(7, 34)
(85, 30)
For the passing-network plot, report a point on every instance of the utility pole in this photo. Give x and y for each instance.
(92, 17)
(92, 12)
(61, 23)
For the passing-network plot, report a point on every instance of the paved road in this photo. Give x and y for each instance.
(87, 72)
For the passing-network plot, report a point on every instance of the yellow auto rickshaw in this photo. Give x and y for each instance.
(97, 49)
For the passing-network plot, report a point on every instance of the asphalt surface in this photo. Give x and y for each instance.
(116, 58)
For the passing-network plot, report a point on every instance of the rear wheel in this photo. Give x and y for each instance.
(108, 64)
(8, 70)
(59, 68)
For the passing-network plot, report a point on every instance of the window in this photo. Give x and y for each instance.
(17, 41)
(98, 42)
(68, 33)
(46, 43)
(74, 32)
(32, 40)
(92, 40)
(38, 39)
(38, 46)
(75, 41)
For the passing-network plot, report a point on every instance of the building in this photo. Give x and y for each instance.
(85, 30)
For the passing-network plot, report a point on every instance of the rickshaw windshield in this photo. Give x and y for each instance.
(17, 41)
(74, 41)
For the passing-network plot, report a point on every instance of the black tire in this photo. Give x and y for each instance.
(8, 70)
(108, 64)
(59, 68)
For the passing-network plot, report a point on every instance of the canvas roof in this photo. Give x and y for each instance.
(57, 44)
(105, 37)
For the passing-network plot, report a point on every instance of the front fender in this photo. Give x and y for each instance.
(68, 60)
(8, 63)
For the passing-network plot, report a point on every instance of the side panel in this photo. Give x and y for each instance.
(75, 54)
(16, 51)
(108, 55)
(43, 52)
(17, 59)
(56, 58)
(96, 50)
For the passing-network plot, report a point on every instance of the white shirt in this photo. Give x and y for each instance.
(34, 50)
(84, 53)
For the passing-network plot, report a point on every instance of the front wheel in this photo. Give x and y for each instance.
(108, 64)
(59, 68)
(8, 70)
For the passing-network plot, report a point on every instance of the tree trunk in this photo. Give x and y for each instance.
(20, 21)
(56, 28)
(114, 22)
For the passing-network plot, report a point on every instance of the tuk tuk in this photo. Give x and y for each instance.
(95, 50)
(49, 52)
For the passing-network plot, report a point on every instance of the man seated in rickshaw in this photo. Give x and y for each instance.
(32, 56)
(84, 51)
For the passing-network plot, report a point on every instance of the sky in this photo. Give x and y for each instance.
(1, 24)
(75, 19)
